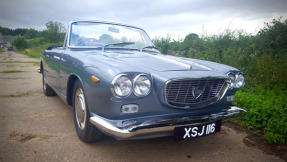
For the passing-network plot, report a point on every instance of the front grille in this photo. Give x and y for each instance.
(193, 93)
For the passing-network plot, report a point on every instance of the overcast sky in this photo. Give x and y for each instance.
(158, 18)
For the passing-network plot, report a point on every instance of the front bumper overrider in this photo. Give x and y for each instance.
(160, 127)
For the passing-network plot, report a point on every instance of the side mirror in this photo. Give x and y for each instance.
(51, 47)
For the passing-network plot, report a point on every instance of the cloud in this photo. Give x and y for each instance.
(169, 16)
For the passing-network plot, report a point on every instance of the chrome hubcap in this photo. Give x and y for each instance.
(44, 85)
(80, 108)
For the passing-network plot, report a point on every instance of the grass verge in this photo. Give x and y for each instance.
(34, 62)
(12, 71)
(35, 53)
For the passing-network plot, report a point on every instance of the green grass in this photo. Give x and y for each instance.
(12, 71)
(266, 112)
(1, 50)
(35, 53)
(36, 64)
(33, 62)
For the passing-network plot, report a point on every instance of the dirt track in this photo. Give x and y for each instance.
(34, 127)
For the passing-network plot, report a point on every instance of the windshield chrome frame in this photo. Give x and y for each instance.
(101, 22)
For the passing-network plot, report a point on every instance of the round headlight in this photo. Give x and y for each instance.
(142, 85)
(232, 78)
(122, 85)
(239, 81)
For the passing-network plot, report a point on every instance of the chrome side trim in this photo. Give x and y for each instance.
(159, 127)
(219, 96)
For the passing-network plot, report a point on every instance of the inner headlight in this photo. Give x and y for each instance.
(122, 85)
(142, 85)
(232, 78)
(239, 81)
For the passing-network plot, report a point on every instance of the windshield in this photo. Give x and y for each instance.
(94, 35)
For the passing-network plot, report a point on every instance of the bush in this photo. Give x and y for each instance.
(266, 112)
(35, 51)
(20, 43)
(36, 42)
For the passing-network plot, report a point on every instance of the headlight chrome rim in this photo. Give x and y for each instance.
(135, 87)
(114, 88)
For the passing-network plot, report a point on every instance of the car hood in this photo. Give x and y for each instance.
(154, 62)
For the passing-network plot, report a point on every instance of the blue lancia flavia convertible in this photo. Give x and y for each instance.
(118, 83)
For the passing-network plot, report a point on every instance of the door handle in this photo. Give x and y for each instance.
(56, 57)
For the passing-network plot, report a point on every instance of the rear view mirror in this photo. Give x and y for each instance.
(113, 29)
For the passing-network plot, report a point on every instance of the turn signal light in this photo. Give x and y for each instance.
(129, 109)
(230, 98)
(95, 79)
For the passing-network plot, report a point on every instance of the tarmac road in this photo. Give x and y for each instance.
(34, 127)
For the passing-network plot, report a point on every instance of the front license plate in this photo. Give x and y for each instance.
(194, 131)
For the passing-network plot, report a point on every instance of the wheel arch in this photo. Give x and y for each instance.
(70, 86)
(41, 67)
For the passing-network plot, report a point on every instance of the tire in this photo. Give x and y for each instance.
(47, 90)
(86, 131)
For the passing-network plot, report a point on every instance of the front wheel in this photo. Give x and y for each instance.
(86, 131)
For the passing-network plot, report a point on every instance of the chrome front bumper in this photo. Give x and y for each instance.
(159, 127)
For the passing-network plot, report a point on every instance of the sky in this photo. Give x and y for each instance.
(158, 18)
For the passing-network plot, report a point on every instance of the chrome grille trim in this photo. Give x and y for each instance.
(178, 92)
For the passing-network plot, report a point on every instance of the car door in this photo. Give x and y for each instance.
(56, 63)
(48, 70)
(53, 62)
(50, 67)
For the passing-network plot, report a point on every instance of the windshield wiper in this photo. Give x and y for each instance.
(117, 44)
(149, 47)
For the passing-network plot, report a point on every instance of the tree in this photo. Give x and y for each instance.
(20, 43)
(13, 32)
(55, 32)
(31, 33)
(272, 38)
(37, 42)
(162, 44)
(5, 31)
(191, 37)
